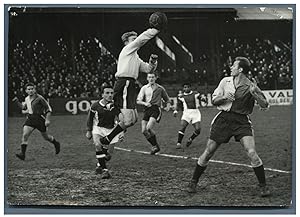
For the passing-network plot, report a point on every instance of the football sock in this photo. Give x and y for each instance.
(194, 135)
(198, 172)
(23, 148)
(118, 129)
(152, 140)
(180, 136)
(101, 159)
(260, 174)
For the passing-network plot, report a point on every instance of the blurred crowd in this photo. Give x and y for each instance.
(271, 61)
(80, 69)
(59, 75)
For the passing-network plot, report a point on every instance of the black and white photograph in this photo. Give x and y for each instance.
(150, 107)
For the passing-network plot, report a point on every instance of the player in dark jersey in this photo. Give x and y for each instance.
(103, 117)
(151, 96)
(191, 113)
(235, 97)
(39, 112)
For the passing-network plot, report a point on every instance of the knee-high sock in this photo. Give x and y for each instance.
(23, 148)
(194, 135)
(152, 139)
(101, 159)
(260, 174)
(118, 129)
(180, 136)
(198, 172)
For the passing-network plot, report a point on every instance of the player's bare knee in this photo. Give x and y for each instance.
(148, 128)
(202, 161)
(254, 158)
(204, 158)
(98, 146)
(146, 133)
(122, 125)
(25, 136)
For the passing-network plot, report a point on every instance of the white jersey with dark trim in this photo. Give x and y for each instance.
(190, 100)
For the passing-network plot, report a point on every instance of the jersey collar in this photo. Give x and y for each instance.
(101, 103)
(188, 93)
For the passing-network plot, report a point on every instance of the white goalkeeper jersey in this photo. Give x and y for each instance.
(129, 62)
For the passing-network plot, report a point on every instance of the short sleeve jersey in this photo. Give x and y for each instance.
(190, 100)
(153, 94)
(37, 105)
(244, 101)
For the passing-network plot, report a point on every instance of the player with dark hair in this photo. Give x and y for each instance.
(191, 114)
(102, 118)
(151, 96)
(129, 66)
(235, 96)
(39, 113)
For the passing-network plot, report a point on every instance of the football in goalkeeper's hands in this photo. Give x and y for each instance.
(158, 20)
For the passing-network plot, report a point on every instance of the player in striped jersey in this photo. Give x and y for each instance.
(191, 114)
(234, 97)
(151, 96)
(102, 118)
(38, 117)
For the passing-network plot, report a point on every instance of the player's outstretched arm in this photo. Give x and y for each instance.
(141, 40)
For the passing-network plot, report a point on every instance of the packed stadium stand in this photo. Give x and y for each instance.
(76, 62)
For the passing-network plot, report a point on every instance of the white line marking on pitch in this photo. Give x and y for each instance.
(194, 158)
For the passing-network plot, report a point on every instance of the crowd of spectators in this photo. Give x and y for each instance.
(271, 61)
(79, 68)
(75, 71)
(271, 64)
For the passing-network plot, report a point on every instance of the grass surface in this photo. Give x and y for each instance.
(144, 180)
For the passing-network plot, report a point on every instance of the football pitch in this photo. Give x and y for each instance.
(140, 179)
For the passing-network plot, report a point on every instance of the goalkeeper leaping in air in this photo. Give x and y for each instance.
(129, 66)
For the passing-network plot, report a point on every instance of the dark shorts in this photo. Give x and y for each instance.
(153, 111)
(228, 124)
(125, 93)
(36, 122)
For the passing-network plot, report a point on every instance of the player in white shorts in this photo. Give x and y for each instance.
(103, 118)
(191, 114)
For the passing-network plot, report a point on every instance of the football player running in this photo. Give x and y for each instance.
(38, 117)
(151, 96)
(191, 114)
